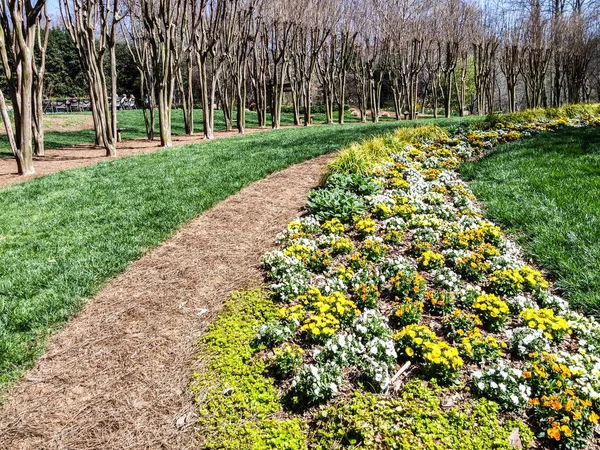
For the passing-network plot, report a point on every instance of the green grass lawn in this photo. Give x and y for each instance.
(132, 124)
(63, 235)
(546, 190)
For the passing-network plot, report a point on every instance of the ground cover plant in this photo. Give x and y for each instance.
(556, 175)
(403, 283)
(63, 235)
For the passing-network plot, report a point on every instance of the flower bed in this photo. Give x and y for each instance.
(395, 263)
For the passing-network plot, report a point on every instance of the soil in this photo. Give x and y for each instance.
(117, 375)
(85, 155)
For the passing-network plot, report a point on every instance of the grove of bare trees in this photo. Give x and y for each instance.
(443, 57)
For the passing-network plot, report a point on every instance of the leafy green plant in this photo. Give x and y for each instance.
(335, 203)
(414, 420)
(235, 399)
(286, 360)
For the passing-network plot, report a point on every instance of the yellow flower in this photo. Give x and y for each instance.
(409, 351)
(554, 433)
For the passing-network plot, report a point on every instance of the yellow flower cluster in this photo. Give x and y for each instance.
(477, 347)
(397, 183)
(492, 311)
(431, 174)
(287, 350)
(474, 237)
(342, 246)
(473, 266)
(320, 315)
(405, 211)
(408, 312)
(406, 286)
(325, 314)
(381, 211)
(507, 281)
(299, 251)
(554, 327)
(373, 250)
(534, 280)
(442, 357)
(333, 226)
(419, 343)
(431, 259)
(365, 227)
(438, 302)
(565, 414)
(412, 339)
(343, 272)
(295, 230)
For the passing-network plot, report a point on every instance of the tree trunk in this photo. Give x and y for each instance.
(342, 98)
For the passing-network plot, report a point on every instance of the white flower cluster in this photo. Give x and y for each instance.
(314, 384)
(289, 273)
(525, 340)
(446, 278)
(274, 332)
(555, 303)
(520, 303)
(503, 384)
(585, 370)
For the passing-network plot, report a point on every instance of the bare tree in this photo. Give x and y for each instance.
(161, 19)
(19, 23)
(39, 70)
(138, 44)
(92, 26)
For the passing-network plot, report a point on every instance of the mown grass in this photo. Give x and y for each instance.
(132, 124)
(546, 190)
(63, 235)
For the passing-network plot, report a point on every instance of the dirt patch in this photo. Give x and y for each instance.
(117, 375)
(85, 155)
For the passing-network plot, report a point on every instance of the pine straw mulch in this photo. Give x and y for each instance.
(87, 154)
(117, 375)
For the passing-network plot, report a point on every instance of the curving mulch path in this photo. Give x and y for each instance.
(87, 154)
(117, 375)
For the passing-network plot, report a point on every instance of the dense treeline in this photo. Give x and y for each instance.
(413, 56)
(64, 74)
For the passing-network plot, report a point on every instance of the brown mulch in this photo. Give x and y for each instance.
(117, 375)
(85, 155)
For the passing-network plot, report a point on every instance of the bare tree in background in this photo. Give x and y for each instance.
(535, 56)
(92, 26)
(19, 23)
(138, 44)
(161, 19)
(39, 70)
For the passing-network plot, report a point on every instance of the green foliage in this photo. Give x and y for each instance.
(360, 158)
(545, 190)
(236, 401)
(335, 203)
(530, 115)
(414, 420)
(430, 132)
(64, 76)
(63, 235)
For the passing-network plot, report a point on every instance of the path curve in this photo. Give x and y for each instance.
(117, 376)
(67, 158)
